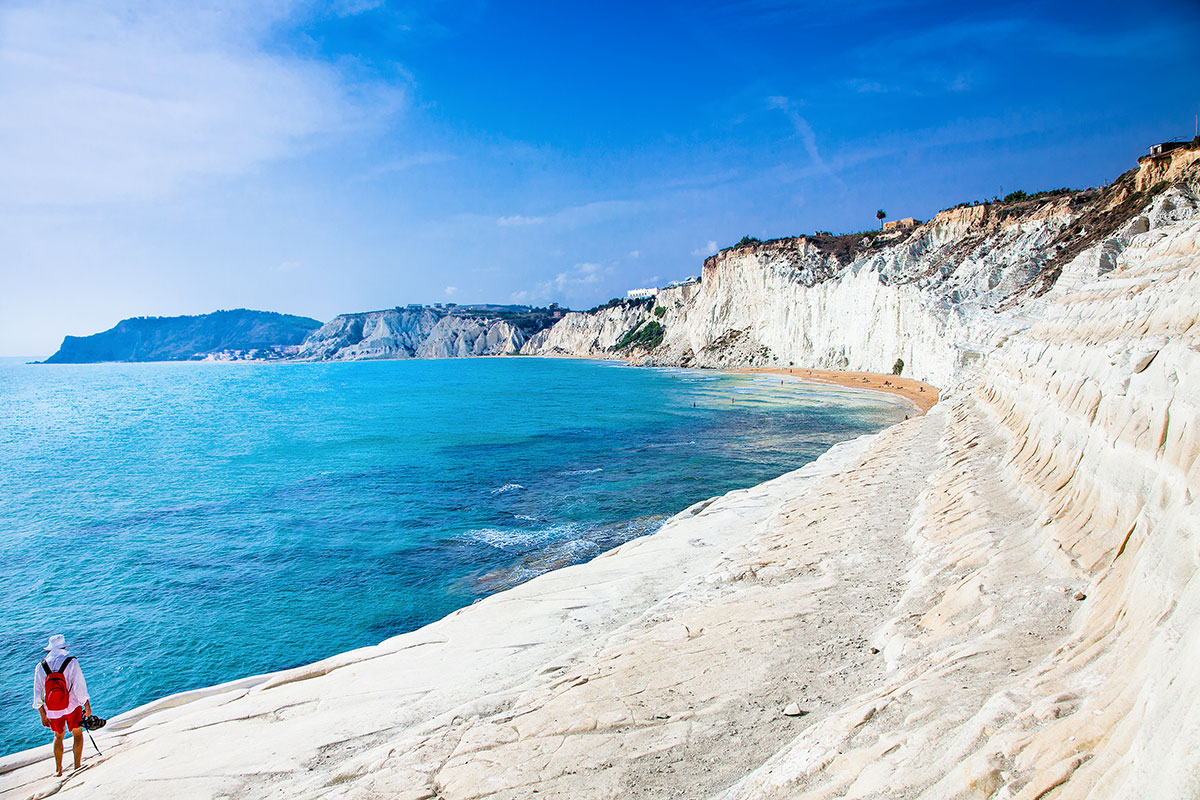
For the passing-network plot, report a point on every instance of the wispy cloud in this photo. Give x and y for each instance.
(813, 13)
(707, 250)
(352, 8)
(803, 130)
(112, 103)
(585, 274)
(403, 164)
(572, 216)
(518, 220)
(579, 281)
(962, 55)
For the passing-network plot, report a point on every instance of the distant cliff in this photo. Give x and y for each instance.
(426, 332)
(187, 338)
(937, 296)
(594, 333)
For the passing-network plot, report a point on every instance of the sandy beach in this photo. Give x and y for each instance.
(923, 395)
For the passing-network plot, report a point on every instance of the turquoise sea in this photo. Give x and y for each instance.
(187, 524)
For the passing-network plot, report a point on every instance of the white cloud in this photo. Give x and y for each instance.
(403, 164)
(580, 280)
(635, 254)
(108, 102)
(517, 220)
(864, 86)
(451, 291)
(572, 216)
(709, 248)
(288, 266)
(350, 8)
(807, 137)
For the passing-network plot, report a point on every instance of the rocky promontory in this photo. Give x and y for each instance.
(237, 333)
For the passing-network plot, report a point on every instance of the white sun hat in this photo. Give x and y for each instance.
(57, 642)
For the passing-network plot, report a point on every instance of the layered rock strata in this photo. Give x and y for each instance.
(936, 297)
(421, 332)
(999, 599)
(591, 334)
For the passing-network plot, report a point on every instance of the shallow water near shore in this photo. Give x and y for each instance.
(187, 524)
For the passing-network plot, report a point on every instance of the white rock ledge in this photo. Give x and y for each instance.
(255, 736)
(999, 599)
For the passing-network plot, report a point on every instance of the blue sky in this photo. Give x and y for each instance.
(165, 158)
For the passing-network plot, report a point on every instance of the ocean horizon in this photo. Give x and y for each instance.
(189, 524)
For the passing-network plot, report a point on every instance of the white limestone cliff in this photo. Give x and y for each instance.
(999, 599)
(410, 333)
(591, 334)
(936, 297)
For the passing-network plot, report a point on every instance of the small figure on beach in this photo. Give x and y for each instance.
(60, 695)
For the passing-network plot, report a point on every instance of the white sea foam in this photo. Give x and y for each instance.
(508, 487)
(582, 471)
(522, 538)
(502, 539)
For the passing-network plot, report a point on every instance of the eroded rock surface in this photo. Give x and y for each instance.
(998, 599)
(420, 332)
(937, 296)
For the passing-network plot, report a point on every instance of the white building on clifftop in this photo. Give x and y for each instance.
(640, 294)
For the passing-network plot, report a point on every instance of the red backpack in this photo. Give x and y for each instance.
(58, 694)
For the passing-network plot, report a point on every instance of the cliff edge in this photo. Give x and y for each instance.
(935, 296)
(998, 599)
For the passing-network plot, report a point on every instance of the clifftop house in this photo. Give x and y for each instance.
(1164, 149)
(901, 224)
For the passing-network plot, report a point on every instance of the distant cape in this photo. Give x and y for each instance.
(255, 334)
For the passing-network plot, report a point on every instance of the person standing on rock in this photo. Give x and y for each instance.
(60, 695)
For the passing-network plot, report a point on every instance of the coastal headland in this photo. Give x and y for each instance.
(997, 599)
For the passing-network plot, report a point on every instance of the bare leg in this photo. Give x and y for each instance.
(77, 746)
(58, 753)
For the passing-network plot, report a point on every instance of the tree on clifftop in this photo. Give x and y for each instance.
(879, 215)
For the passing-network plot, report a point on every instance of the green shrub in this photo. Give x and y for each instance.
(898, 367)
(747, 240)
(622, 301)
(649, 336)
(660, 312)
(616, 301)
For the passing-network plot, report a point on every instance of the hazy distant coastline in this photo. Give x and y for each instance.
(265, 334)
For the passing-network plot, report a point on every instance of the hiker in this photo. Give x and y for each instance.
(60, 695)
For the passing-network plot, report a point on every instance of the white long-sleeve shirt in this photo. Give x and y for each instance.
(75, 684)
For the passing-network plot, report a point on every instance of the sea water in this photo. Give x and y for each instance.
(188, 524)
